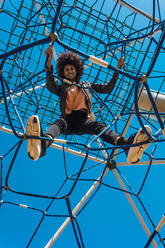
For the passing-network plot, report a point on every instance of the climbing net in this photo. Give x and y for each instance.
(83, 170)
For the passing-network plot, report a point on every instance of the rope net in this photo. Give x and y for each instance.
(45, 195)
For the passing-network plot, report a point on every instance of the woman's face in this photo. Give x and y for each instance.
(70, 72)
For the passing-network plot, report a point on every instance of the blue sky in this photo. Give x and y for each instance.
(108, 220)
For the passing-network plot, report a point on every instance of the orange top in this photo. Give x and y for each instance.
(76, 100)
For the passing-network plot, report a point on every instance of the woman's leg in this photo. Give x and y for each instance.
(37, 147)
(134, 153)
(59, 126)
(95, 128)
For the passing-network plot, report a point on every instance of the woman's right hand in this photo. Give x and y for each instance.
(49, 53)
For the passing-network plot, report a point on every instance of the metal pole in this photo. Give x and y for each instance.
(136, 10)
(157, 229)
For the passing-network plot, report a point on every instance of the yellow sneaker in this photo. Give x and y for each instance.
(135, 153)
(33, 145)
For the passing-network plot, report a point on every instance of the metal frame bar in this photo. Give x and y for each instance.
(157, 229)
(81, 154)
(136, 10)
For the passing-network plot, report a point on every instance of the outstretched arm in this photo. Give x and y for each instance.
(51, 82)
(49, 56)
(108, 87)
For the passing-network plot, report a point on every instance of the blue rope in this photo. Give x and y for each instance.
(72, 221)
(156, 53)
(25, 47)
(154, 106)
(16, 111)
(7, 108)
(136, 9)
(56, 16)
(137, 110)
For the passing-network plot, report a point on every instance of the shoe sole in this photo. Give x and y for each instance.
(135, 153)
(33, 145)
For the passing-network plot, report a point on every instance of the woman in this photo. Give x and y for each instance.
(76, 109)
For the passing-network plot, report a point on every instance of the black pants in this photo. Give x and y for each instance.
(78, 123)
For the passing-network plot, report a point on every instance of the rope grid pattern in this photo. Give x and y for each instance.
(88, 29)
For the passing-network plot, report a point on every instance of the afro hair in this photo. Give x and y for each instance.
(69, 58)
